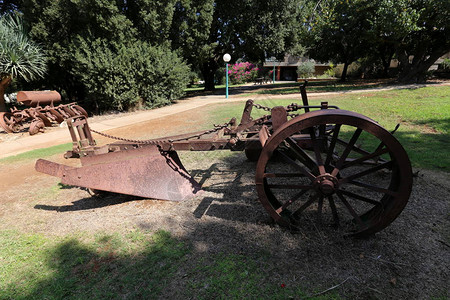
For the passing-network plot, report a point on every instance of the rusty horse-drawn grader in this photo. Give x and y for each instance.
(324, 165)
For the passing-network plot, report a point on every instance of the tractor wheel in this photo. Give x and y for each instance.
(79, 110)
(353, 173)
(8, 122)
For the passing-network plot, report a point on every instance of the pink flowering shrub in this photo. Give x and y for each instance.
(243, 72)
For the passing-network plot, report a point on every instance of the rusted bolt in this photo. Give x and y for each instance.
(327, 186)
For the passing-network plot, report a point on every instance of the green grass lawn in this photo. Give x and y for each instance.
(136, 265)
(38, 153)
(281, 88)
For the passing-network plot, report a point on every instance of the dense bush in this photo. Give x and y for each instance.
(331, 72)
(121, 77)
(243, 72)
(354, 70)
(445, 64)
(306, 69)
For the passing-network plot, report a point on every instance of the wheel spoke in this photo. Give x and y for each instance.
(377, 153)
(290, 201)
(366, 172)
(354, 148)
(305, 205)
(359, 197)
(301, 154)
(333, 210)
(375, 188)
(296, 165)
(351, 210)
(346, 152)
(319, 209)
(357, 149)
(319, 161)
(332, 144)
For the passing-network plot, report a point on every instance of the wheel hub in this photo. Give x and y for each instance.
(326, 184)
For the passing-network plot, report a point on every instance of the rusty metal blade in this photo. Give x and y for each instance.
(144, 172)
(51, 168)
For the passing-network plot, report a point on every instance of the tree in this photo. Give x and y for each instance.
(204, 30)
(58, 24)
(428, 40)
(338, 31)
(19, 56)
(390, 23)
(94, 50)
(416, 32)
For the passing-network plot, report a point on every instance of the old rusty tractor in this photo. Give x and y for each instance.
(40, 112)
(326, 164)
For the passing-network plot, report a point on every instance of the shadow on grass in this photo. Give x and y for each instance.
(108, 268)
(426, 150)
(442, 123)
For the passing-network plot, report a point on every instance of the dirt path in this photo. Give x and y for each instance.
(408, 260)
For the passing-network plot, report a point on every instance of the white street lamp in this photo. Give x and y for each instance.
(226, 59)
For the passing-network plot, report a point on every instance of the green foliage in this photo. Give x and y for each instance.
(306, 69)
(331, 72)
(152, 19)
(353, 69)
(345, 31)
(112, 55)
(426, 42)
(19, 56)
(338, 31)
(121, 76)
(446, 64)
(205, 30)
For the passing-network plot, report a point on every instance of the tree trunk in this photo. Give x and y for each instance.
(3, 85)
(344, 72)
(386, 61)
(416, 70)
(208, 70)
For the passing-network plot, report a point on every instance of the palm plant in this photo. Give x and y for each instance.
(19, 56)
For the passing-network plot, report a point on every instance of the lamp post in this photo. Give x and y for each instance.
(226, 59)
(273, 60)
(273, 73)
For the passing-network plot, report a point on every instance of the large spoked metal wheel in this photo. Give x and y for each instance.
(334, 167)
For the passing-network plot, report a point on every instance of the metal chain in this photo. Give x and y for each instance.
(293, 107)
(259, 106)
(147, 142)
(293, 115)
(158, 141)
(289, 108)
